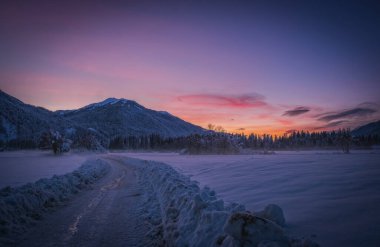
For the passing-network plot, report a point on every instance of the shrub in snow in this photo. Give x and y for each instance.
(21, 206)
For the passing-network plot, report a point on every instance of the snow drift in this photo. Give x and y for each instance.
(182, 214)
(22, 206)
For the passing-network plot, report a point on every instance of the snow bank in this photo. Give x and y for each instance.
(190, 216)
(332, 198)
(22, 206)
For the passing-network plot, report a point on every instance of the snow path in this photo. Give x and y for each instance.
(107, 215)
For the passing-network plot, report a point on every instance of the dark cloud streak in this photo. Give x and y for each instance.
(296, 111)
(332, 124)
(356, 112)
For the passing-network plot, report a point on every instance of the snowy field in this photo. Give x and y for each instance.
(328, 195)
(21, 167)
(138, 203)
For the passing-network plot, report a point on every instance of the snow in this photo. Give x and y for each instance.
(102, 103)
(10, 132)
(191, 216)
(70, 131)
(109, 101)
(21, 167)
(328, 195)
(92, 130)
(165, 113)
(178, 210)
(22, 206)
(188, 214)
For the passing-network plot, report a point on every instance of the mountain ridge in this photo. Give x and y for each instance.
(106, 119)
(372, 128)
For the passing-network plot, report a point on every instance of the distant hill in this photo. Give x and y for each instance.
(112, 117)
(368, 129)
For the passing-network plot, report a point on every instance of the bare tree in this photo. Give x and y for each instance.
(211, 126)
(220, 129)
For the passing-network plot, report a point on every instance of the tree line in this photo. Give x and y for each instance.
(211, 142)
(227, 143)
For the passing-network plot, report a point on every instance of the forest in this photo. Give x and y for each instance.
(227, 143)
(211, 142)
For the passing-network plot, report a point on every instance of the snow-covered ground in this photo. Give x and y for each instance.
(22, 206)
(138, 203)
(21, 167)
(183, 214)
(332, 196)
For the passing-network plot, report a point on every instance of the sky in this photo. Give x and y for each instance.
(248, 66)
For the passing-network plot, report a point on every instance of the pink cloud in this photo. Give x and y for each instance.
(201, 116)
(284, 122)
(219, 100)
(262, 116)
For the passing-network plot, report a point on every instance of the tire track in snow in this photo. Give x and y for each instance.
(114, 184)
(111, 214)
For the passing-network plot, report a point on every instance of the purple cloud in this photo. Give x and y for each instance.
(232, 101)
(356, 112)
(296, 111)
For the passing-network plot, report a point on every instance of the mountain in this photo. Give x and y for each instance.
(20, 122)
(116, 117)
(368, 129)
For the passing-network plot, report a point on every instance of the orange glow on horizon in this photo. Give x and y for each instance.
(260, 132)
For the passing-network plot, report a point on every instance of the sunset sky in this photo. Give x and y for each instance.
(249, 66)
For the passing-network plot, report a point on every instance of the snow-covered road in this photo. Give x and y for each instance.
(107, 215)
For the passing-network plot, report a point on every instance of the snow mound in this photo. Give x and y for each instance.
(273, 213)
(20, 207)
(191, 216)
(244, 227)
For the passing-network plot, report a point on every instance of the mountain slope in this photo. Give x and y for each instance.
(22, 121)
(368, 129)
(126, 117)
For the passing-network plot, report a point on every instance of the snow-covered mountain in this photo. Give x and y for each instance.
(368, 129)
(126, 117)
(24, 122)
(109, 118)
